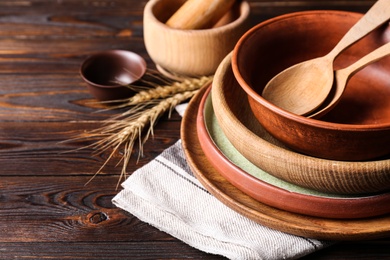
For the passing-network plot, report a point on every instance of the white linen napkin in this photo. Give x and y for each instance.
(166, 194)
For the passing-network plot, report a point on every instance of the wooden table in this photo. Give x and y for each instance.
(46, 210)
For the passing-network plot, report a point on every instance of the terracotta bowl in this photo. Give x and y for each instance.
(190, 52)
(106, 73)
(356, 129)
(271, 190)
(249, 137)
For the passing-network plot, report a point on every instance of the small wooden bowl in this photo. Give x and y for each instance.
(190, 52)
(358, 128)
(273, 191)
(249, 137)
(106, 73)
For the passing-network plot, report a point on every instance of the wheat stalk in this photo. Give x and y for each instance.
(145, 96)
(137, 122)
(126, 131)
(166, 91)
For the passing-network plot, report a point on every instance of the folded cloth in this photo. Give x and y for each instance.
(166, 194)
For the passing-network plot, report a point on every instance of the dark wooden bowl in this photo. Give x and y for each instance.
(107, 73)
(358, 128)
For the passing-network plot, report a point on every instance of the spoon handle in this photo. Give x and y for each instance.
(373, 56)
(199, 14)
(377, 15)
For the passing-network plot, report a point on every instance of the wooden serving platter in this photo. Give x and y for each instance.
(292, 223)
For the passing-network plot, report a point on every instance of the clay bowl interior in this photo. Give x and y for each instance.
(358, 128)
(107, 73)
(270, 190)
(190, 52)
(250, 138)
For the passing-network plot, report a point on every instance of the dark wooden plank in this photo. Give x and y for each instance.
(61, 105)
(44, 209)
(104, 250)
(74, 215)
(57, 55)
(63, 19)
(353, 251)
(60, 217)
(166, 250)
(46, 148)
(67, 19)
(111, 7)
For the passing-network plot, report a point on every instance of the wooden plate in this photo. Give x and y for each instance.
(273, 191)
(302, 225)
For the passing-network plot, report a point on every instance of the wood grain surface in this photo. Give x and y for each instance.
(45, 208)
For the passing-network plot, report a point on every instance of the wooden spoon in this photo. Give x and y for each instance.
(303, 87)
(199, 14)
(342, 77)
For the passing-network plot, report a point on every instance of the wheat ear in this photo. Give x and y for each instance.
(149, 95)
(126, 131)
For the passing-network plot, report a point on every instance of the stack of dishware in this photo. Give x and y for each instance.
(326, 178)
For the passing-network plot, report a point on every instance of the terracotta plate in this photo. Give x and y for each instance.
(273, 191)
(302, 225)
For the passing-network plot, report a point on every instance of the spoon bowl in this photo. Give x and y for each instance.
(295, 89)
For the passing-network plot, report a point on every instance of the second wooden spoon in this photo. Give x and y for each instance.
(303, 87)
(342, 77)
